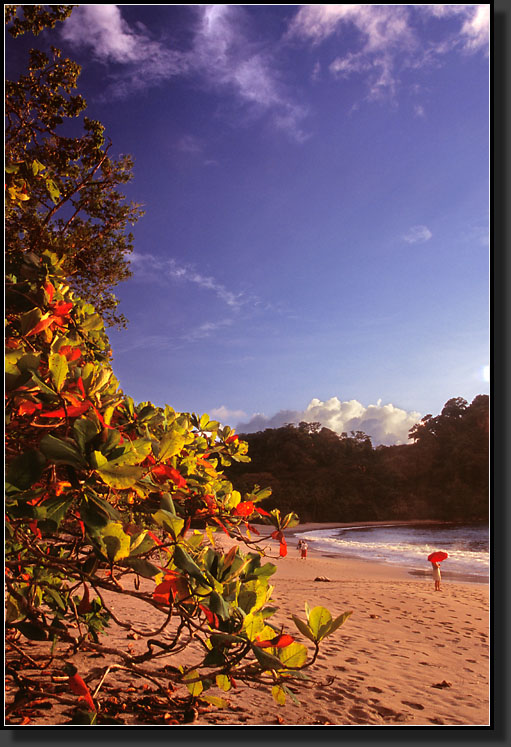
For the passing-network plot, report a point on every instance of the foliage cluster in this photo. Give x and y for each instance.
(75, 209)
(105, 498)
(325, 476)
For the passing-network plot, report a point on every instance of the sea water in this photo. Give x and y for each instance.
(467, 546)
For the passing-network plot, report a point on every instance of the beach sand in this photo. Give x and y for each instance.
(407, 656)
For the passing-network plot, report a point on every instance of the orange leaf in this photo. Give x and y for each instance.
(40, 326)
(78, 687)
(246, 508)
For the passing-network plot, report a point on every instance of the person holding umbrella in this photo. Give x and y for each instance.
(435, 559)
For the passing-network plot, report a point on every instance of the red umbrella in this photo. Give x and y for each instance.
(437, 556)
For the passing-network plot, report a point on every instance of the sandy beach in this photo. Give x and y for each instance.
(407, 656)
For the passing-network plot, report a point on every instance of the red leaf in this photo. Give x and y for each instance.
(49, 290)
(80, 382)
(34, 528)
(28, 408)
(283, 640)
(62, 308)
(210, 616)
(71, 354)
(253, 529)
(262, 512)
(40, 326)
(231, 439)
(72, 412)
(163, 472)
(78, 687)
(280, 641)
(245, 508)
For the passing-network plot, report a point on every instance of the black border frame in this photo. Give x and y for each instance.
(499, 731)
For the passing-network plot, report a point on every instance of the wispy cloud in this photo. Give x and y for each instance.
(417, 234)
(206, 330)
(387, 38)
(147, 267)
(385, 424)
(222, 55)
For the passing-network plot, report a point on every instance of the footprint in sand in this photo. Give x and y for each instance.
(417, 706)
(360, 716)
(352, 660)
(375, 689)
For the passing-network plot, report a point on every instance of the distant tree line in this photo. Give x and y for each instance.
(324, 476)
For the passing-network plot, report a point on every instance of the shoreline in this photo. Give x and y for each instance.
(447, 575)
(407, 656)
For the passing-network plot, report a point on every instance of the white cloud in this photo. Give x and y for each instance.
(417, 234)
(221, 55)
(206, 329)
(227, 58)
(227, 416)
(477, 29)
(102, 29)
(385, 424)
(387, 38)
(149, 267)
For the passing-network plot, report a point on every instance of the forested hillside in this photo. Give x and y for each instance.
(324, 476)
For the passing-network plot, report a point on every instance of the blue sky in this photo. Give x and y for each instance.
(316, 188)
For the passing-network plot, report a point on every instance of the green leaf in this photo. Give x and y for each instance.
(53, 190)
(294, 655)
(215, 701)
(223, 682)
(114, 541)
(26, 469)
(172, 524)
(170, 444)
(319, 622)
(247, 600)
(56, 598)
(184, 561)
(253, 625)
(120, 477)
(53, 511)
(37, 167)
(84, 431)
(218, 605)
(143, 567)
(193, 683)
(278, 694)
(338, 622)
(32, 631)
(61, 452)
(267, 661)
(303, 628)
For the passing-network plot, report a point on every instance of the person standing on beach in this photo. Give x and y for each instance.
(303, 549)
(437, 576)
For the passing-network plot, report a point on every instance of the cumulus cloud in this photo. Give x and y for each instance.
(221, 54)
(385, 424)
(417, 234)
(226, 415)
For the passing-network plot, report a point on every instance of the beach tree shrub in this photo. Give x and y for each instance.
(109, 499)
(76, 210)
